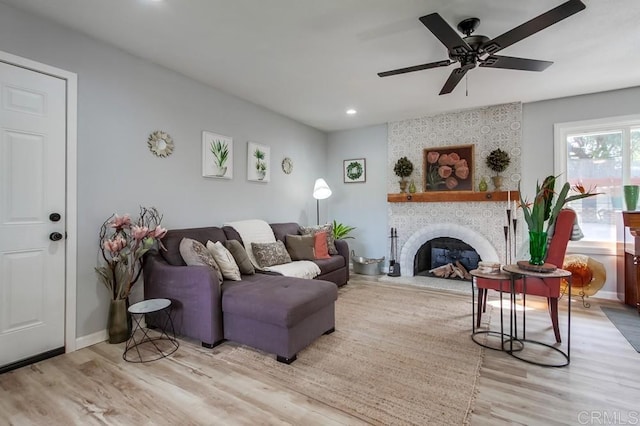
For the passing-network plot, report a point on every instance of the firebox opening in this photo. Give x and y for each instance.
(447, 258)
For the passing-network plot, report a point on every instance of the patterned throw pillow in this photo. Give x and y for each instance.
(270, 254)
(300, 247)
(240, 255)
(328, 228)
(225, 261)
(195, 253)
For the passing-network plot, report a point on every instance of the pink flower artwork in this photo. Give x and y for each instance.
(448, 168)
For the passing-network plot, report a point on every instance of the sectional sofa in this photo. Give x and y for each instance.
(267, 311)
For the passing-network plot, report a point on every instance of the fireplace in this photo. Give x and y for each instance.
(483, 248)
(445, 254)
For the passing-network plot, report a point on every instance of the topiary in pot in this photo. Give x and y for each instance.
(403, 169)
(498, 161)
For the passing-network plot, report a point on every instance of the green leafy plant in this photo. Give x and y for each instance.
(220, 151)
(498, 160)
(547, 204)
(403, 167)
(261, 165)
(341, 231)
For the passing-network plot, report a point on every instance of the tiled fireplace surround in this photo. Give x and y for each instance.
(479, 224)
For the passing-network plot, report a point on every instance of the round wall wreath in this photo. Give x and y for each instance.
(354, 170)
(160, 143)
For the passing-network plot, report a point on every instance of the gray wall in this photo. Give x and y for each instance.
(121, 100)
(363, 205)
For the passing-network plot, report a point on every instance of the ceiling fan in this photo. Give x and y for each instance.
(478, 50)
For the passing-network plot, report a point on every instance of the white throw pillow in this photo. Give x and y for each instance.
(225, 261)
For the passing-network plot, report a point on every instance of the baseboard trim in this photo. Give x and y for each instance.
(91, 339)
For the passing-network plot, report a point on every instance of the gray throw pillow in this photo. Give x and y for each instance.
(300, 247)
(240, 255)
(195, 253)
(328, 228)
(270, 254)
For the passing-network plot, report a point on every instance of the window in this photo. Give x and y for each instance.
(603, 153)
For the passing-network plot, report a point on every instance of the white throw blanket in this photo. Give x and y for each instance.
(253, 231)
(297, 268)
(259, 231)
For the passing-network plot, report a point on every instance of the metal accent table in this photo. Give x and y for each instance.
(516, 272)
(505, 337)
(160, 346)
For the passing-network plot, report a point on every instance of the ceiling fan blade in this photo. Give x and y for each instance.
(511, 63)
(447, 35)
(453, 80)
(533, 26)
(416, 68)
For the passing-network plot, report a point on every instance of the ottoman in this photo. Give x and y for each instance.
(277, 314)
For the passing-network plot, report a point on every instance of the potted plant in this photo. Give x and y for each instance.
(123, 244)
(403, 169)
(220, 152)
(498, 161)
(540, 215)
(341, 231)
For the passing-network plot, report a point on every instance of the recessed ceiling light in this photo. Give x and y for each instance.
(351, 111)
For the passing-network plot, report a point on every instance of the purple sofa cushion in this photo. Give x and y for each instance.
(282, 301)
(173, 237)
(332, 264)
(281, 230)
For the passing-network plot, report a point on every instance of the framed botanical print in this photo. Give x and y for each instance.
(258, 162)
(217, 156)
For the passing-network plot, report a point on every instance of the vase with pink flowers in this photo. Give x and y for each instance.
(123, 243)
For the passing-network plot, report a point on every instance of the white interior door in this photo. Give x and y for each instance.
(32, 191)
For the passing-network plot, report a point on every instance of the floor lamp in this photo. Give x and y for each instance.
(320, 191)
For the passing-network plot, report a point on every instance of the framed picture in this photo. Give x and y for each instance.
(354, 170)
(449, 168)
(217, 156)
(258, 162)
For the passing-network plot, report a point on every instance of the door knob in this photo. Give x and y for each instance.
(54, 217)
(55, 236)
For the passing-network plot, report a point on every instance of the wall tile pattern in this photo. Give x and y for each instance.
(487, 128)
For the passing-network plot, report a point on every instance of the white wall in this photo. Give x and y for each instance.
(363, 205)
(121, 100)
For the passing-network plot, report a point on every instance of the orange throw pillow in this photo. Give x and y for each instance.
(320, 245)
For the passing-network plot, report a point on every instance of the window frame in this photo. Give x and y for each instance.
(608, 124)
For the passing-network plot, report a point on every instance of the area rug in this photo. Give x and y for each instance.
(399, 355)
(627, 321)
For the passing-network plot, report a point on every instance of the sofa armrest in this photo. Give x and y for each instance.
(194, 293)
(343, 250)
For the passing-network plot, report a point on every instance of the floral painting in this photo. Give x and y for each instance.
(354, 170)
(217, 156)
(448, 168)
(258, 162)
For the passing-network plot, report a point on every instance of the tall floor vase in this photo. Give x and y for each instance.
(119, 321)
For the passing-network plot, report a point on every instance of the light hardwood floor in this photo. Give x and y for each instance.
(95, 386)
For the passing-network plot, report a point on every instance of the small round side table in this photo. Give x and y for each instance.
(151, 348)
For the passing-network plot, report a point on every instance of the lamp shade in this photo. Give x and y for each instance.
(321, 190)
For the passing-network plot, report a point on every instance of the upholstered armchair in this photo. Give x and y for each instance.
(544, 287)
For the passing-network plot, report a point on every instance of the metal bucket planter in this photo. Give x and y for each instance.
(366, 265)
